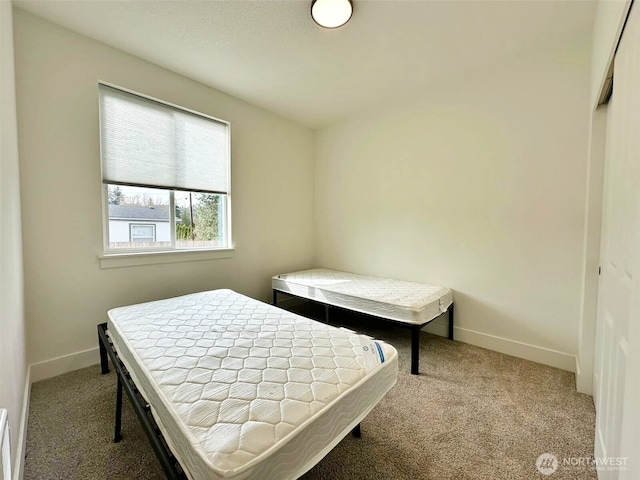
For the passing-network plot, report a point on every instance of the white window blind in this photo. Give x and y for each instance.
(152, 144)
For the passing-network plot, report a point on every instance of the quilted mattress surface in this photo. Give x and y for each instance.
(406, 302)
(241, 389)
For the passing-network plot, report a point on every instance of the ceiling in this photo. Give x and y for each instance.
(271, 54)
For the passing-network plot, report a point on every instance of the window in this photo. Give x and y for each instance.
(165, 175)
(142, 233)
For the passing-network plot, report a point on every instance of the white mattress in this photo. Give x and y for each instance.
(407, 302)
(241, 389)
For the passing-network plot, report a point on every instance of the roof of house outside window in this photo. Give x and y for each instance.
(158, 213)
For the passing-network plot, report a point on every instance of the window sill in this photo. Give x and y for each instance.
(117, 260)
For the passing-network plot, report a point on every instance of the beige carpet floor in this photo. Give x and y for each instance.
(470, 414)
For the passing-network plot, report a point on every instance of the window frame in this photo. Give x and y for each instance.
(226, 229)
(224, 251)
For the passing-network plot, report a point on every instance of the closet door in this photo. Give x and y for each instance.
(616, 370)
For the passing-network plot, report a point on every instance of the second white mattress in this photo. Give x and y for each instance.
(406, 302)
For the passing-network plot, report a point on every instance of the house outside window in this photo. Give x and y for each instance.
(165, 174)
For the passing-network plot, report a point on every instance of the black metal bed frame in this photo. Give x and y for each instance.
(169, 463)
(415, 328)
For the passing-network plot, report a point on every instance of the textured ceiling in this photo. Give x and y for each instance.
(270, 53)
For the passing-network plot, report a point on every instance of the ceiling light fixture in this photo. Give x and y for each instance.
(331, 13)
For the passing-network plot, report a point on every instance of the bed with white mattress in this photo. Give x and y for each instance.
(407, 303)
(240, 389)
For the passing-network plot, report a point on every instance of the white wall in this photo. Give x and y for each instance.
(67, 293)
(478, 185)
(13, 366)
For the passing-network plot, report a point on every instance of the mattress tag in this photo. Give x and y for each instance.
(372, 353)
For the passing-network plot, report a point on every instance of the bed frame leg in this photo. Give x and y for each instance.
(415, 350)
(274, 302)
(326, 313)
(118, 430)
(104, 359)
(356, 431)
(166, 459)
(451, 322)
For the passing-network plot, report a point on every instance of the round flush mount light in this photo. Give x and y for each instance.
(331, 13)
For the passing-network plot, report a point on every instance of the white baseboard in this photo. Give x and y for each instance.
(64, 364)
(21, 450)
(534, 353)
(42, 371)
(584, 382)
(546, 356)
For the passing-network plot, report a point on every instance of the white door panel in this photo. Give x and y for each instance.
(615, 377)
